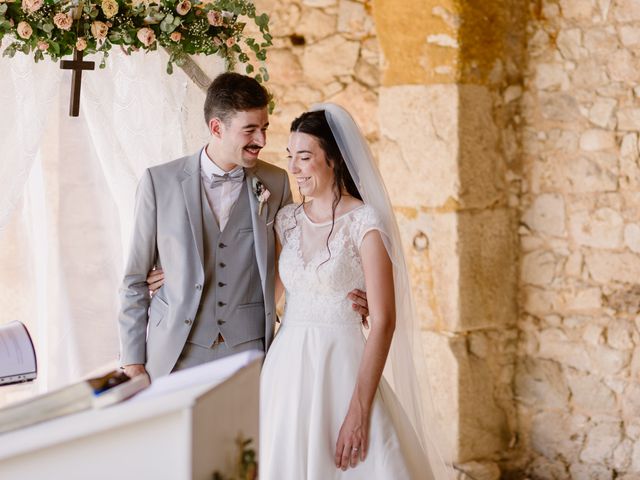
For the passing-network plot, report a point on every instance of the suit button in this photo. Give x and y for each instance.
(220, 322)
(221, 304)
(221, 245)
(220, 284)
(222, 265)
(188, 321)
(198, 286)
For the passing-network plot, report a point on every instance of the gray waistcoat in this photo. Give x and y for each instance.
(232, 303)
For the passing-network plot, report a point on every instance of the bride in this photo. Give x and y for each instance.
(326, 411)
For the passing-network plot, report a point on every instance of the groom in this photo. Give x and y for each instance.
(207, 221)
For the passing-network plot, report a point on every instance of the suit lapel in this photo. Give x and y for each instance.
(191, 186)
(259, 223)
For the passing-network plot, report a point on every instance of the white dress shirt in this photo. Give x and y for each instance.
(222, 198)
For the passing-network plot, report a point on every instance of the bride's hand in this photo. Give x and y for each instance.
(353, 439)
(155, 279)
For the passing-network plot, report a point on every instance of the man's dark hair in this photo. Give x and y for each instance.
(232, 92)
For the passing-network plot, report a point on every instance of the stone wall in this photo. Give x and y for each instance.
(578, 363)
(324, 50)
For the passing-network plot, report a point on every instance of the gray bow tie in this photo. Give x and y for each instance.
(218, 180)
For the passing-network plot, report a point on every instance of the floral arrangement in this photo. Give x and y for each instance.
(183, 27)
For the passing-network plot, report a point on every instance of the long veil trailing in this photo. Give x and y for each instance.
(400, 370)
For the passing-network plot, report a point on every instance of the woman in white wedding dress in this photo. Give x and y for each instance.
(326, 412)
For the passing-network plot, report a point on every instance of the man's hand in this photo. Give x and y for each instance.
(134, 370)
(155, 279)
(360, 305)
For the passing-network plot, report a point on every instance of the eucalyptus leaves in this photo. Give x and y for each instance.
(58, 27)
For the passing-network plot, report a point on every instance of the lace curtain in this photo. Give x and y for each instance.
(67, 189)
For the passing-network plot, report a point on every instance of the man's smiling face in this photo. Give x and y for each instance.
(242, 136)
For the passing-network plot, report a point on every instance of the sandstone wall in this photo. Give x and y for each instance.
(578, 362)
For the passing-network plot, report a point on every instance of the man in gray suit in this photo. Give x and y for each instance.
(207, 220)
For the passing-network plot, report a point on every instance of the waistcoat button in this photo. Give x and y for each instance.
(221, 304)
(198, 286)
(221, 245)
(222, 265)
(220, 322)
(221, 284)
(188, 321)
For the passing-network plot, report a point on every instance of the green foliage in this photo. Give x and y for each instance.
(247, 462)
(183, 28)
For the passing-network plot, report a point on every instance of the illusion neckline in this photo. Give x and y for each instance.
(324, 224)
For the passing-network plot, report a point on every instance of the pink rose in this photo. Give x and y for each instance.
(147, 36)
(31, 6)
(175, 36)
(215, 18)
(42, 45)
(81, 44)
(230, 42)
(24, 30)
(99, 30)
(183, 7)
(63, 21)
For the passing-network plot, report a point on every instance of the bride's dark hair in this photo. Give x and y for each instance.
(315, 124)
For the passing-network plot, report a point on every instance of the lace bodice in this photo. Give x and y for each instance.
(317, 282)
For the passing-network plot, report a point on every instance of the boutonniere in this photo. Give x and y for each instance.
(261, 192)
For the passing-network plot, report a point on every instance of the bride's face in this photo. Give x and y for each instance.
(308, 164)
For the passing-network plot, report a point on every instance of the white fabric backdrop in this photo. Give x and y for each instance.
(67, 190)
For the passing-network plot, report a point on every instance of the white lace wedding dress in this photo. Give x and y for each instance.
(311, 368)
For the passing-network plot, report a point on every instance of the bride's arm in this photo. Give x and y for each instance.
(279, 287)
(378, 272)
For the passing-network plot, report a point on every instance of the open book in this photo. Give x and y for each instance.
(17, 354)
(95, 392)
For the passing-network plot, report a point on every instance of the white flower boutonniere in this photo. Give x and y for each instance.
(261, 192)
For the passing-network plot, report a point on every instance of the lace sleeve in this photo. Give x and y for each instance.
(285, 220)
(366, 221)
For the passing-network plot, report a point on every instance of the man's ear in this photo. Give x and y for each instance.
(215, 127)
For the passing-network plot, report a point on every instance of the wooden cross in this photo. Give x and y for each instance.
(77, 65)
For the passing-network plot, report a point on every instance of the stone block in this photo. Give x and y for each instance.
(448, 143)
(602, 228)
(622, 66)
(473, 251)
(590, 394)
(569, 43)
(538, 267)
(629, 35)
(467, 393)
(555, 432)
(605, 267)
(626, 10)
(546, 215)
(316, 24)
(601, 442)
(629, 119)
(594, 140)
(581, 471)
(541, 383)
(551, 76)
(354, 20)
(601, 112)
(556, 345)
(576, 9)
(329, 58)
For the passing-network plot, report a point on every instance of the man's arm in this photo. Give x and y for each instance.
(134, 292)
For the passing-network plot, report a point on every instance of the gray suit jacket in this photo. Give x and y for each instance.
(168, 231)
